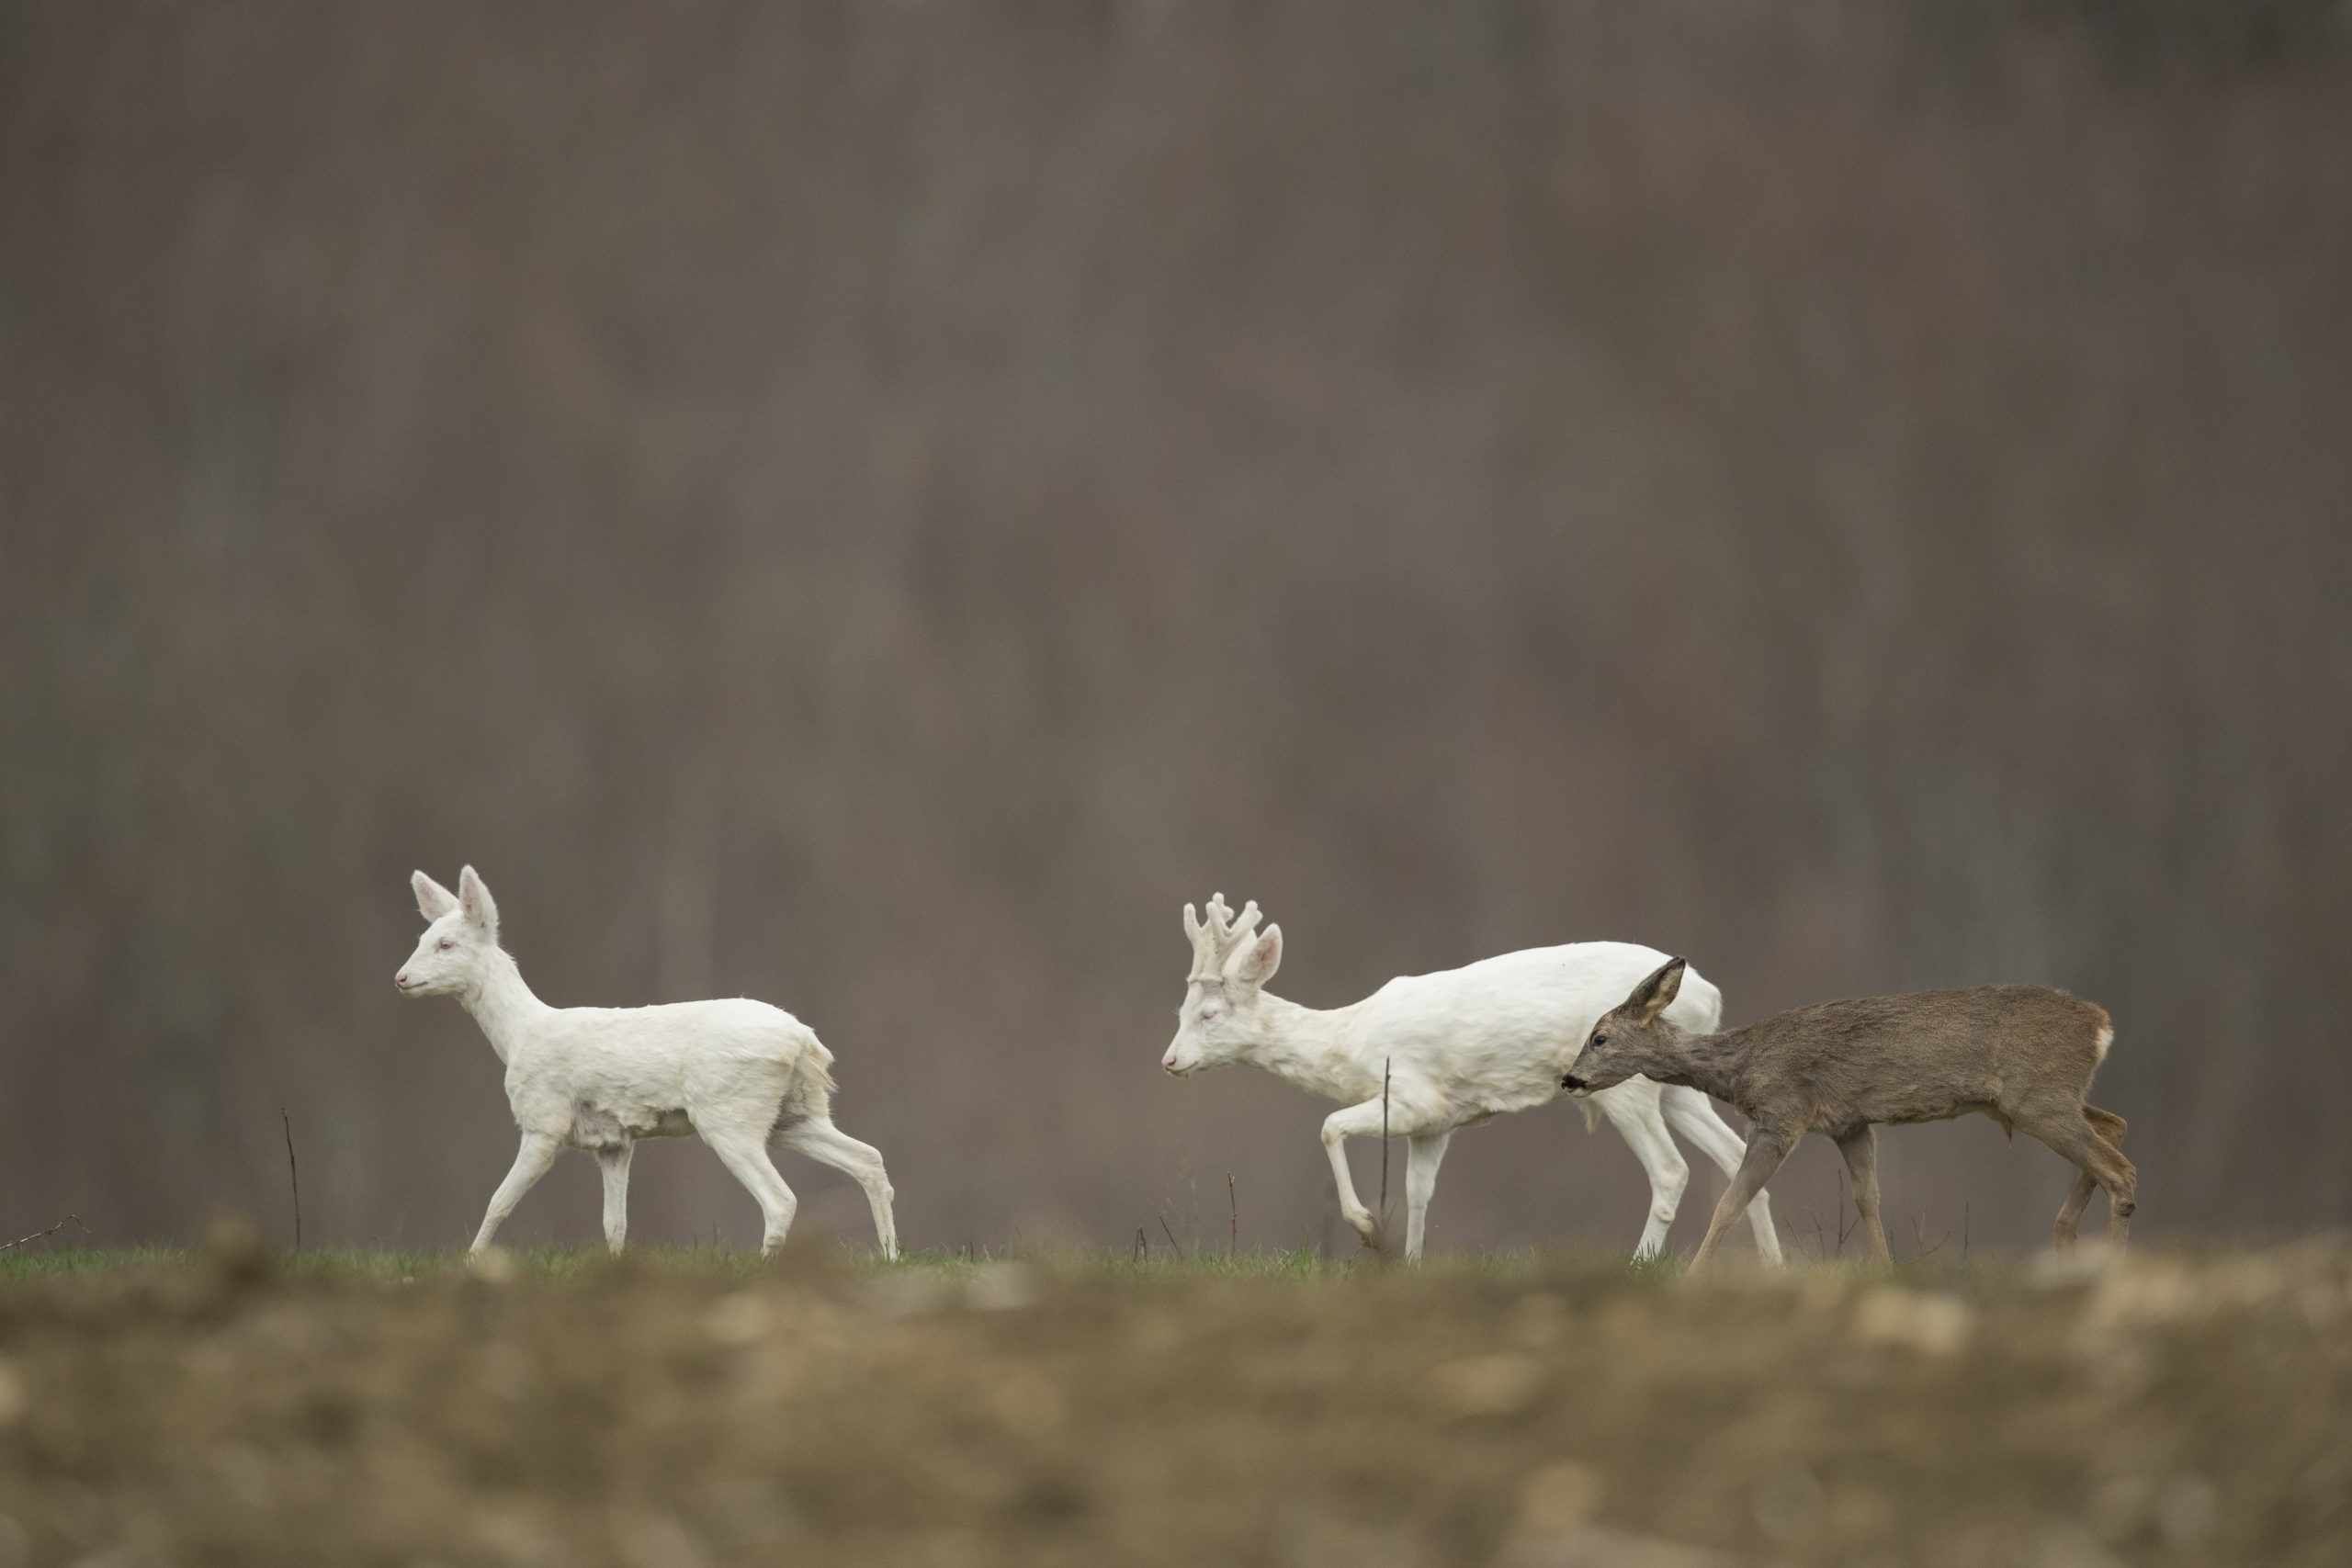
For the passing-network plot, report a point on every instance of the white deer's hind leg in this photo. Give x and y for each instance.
(746, 1154)
(531, 1162)
(1422, 1157)
(615, 1164)
(1635, 1116)
(1694, 1115)
(819, 1139)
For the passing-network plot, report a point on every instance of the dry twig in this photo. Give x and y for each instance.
(294, 1175)
(68, 1220)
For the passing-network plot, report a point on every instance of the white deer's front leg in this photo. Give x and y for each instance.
(614, 1164)
(1365, 1120)
(1422, 1157)
(531, 1162)
(1356, 1122)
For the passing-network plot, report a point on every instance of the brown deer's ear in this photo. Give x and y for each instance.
(1655, 995)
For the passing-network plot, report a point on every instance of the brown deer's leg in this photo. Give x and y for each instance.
(2074, 1133)
(1766, 1147)
(1860, 1149)
(2069, 1214)
(2118, 1174)
(2104, 1125)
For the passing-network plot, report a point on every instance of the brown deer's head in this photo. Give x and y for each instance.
(1633, 1039)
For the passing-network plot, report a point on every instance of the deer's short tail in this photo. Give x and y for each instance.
(2102, 1037)
(809, 1094)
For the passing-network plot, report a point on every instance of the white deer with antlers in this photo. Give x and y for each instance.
(1427, 1054)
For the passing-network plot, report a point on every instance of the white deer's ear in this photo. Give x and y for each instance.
(433, 900)
(1655, 995)
(473, 898)
(1255, 963)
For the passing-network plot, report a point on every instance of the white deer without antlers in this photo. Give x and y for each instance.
(736, 1071)
(1457, 1048)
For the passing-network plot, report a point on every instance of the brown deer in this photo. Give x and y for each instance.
(2021, 1054)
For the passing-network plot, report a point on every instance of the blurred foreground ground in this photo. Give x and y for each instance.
(2174, 1409)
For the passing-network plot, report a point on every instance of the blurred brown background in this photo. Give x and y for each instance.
(874, 506)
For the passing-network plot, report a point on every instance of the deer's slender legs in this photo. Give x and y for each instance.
(1356, 1122)
(615, 1164)
(531, 1162)
(2106, 1125)
(819, 1139)
(1860, 1149)
(1635, 1116)
(1766, 1147)
(2070, 1212)
(1694, 1115)
(2081, 1137)
(746, 1154)
(1423, 1155)
(1365, 1121)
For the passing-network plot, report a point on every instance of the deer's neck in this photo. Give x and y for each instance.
(1309, 1047)
(1712, 1065)
(503, 1005)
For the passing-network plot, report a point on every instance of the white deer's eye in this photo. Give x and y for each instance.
(445, 945)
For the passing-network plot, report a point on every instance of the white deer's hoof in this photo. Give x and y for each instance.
(492, 1265)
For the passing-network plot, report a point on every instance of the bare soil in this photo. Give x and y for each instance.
(2172, 1409)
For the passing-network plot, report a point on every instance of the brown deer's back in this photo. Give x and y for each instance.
(1921, 1056)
